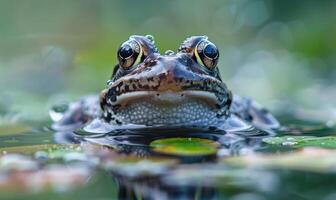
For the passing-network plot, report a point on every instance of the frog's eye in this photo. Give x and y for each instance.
(129, 54)
(206, 54)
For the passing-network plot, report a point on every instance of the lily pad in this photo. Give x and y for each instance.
(185, 146)
(303, 141)
(50, 150)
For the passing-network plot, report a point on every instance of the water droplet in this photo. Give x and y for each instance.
(330, 124)
(56, 112)
(169, 52)
(289, 143)
(41, 155)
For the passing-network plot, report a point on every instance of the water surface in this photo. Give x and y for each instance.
(144, 164)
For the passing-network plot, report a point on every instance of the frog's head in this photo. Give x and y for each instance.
(180, 88)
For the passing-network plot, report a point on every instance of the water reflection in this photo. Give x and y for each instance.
(162, 185)
(142, 173)
(137, 141)
(129, 191)
(142, 176)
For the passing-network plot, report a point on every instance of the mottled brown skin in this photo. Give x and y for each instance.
(176, 72)
(188, 70)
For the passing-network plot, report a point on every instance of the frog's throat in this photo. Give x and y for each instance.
(166, 108)
(167, 97)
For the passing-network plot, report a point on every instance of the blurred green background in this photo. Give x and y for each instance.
(281, 53)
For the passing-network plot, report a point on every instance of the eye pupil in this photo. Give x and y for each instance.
(210, 51)
(126, 51)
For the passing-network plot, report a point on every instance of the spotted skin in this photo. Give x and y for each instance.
(167, 74)
(170, 89)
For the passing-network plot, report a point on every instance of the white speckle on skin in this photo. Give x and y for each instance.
(149, 113)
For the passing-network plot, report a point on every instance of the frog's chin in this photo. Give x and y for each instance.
(168, 108)
(167, 97)
(153, 112)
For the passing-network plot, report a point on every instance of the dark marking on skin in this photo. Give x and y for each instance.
(162, 76)
(113, 98)
(126, 88)
(115, 70)
(154, 83)
(155, 72)
(116, 107)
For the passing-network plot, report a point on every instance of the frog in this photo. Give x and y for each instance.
(174, 89)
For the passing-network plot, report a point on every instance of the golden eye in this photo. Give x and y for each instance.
(206, 54)
(129, 54)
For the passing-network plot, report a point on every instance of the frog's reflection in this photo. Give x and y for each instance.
(229, 144)
(136, 144)
(155, 190)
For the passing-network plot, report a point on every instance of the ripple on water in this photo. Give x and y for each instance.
(139, 140)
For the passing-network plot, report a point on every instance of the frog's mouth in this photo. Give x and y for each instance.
(166, 91)
(167, 108)
(167, 97)
(166, 88)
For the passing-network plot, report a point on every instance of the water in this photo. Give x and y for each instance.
(126, 165)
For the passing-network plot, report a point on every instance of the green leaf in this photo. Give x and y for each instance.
(185, 146)
(303, 141)
(52, 150)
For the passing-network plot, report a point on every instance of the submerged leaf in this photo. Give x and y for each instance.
(303, 141)
(185, 146)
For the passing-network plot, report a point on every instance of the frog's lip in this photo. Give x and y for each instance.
(166, 97)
